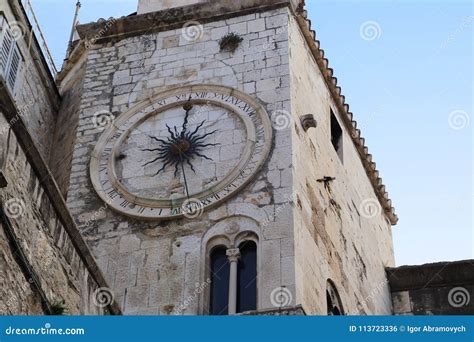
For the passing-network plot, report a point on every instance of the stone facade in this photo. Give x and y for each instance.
(308, 232)
(316, 210)
(56, 268)
(335, 238)
(154, 267)
(45, 266)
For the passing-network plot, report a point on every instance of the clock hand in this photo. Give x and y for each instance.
(184, 175)
(181, 147)
(187, 107)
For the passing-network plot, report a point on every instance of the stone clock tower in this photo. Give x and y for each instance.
(215, 168)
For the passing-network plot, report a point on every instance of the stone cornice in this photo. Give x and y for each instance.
(12, 115)
(343, 107)
(134, 25)
(455, 273)
(173, 18)
(279, 311)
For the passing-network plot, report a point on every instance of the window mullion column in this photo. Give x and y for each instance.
(233, 254)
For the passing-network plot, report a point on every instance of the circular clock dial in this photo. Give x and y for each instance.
(183, 151)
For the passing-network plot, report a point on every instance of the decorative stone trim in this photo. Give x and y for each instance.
(283, 311)
(174, 18)
(308, 121)
(251, 161)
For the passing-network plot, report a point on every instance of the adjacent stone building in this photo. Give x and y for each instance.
(45, 265)
(210, 162)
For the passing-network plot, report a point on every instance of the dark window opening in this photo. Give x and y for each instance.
(219, 282)
(336, 135)
(247, 277)
(334, 304)
(333, 310)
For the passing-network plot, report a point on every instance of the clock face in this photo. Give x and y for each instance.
(181, 152)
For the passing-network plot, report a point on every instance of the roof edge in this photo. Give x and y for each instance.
(343, 107)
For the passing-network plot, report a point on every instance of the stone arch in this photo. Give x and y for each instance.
(229, 232)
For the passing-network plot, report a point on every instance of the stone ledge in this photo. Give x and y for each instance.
(455, 273)
(283, 311)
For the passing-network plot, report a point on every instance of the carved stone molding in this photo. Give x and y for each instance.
(308, 121)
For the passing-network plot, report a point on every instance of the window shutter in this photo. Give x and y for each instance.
(14, 67)
(5, 49)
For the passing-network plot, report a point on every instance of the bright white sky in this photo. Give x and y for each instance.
(403, 87)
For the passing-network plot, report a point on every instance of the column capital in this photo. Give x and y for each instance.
(233, 254)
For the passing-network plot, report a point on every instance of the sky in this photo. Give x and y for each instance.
(406, 69)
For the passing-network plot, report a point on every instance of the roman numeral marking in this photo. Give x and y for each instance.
(202, 94)
(176, 211)
(124, 204)
(113, 194)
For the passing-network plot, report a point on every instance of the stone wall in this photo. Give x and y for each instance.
(66, 126)
(154, 267)
(146, 6)
(44, 263)
(444, 288)
(35, 94)
(41, 264)
(341, 233)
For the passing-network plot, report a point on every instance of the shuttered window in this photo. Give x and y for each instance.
(14, 67)
(6, 43)
(10, 57)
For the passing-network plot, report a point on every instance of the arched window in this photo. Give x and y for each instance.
(247, 277)
(334, 305)
(219, 281)
(233, 279)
